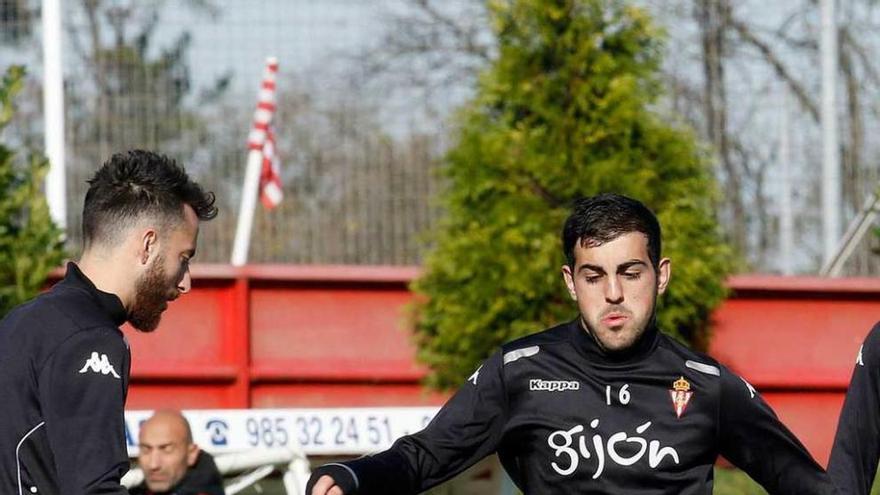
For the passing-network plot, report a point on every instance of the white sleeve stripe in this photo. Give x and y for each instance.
(512, 356)
(17, 448)
(703, 368)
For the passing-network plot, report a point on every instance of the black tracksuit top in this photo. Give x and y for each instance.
(565, 417)
(856, 449)
(65, 367)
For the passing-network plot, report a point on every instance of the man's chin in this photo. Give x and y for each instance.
(158, 487)
(614, 347)
(617, 340)
(145, 325)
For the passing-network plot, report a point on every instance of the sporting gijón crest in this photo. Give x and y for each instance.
(681, 395)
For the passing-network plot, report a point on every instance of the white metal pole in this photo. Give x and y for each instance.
(246, 208)
(53, 108)
(786, 216)
(859, 226)
(831, 188)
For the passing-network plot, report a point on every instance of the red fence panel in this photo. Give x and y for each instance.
(796, 340)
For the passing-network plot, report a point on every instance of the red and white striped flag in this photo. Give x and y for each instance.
(270, 177)
(262, 139)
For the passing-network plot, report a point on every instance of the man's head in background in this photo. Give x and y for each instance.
(167, 450)
(140, 227)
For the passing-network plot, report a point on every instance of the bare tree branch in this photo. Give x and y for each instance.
(771, 58)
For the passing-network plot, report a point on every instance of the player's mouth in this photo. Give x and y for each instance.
(614, 319)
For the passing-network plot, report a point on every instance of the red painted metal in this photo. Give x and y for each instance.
(796, 340)
(335, 336)
(237, 335)
(327, 332)
(810, 415)
(344, 395)
(273, 334)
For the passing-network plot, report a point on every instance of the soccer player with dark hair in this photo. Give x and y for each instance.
(603, 404)
(65, 363)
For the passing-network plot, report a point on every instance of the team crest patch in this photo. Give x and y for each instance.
(681, 394)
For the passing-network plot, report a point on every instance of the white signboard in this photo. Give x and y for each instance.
(326, 431)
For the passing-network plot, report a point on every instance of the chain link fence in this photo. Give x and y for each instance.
(360, 152)
(182, 78)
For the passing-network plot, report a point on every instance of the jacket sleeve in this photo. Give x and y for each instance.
(753, 439)
(82, 395)
(467, 429)
(856, 449)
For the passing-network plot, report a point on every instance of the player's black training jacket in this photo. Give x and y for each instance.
(856, 447)
(565, 417)
(64, 367)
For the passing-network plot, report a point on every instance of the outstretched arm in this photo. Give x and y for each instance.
(467, 429)
(754, 439)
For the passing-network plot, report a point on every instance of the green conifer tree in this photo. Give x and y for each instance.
(564, 111)
(30, 243)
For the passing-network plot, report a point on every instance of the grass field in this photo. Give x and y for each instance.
(477, 481)
(727, 482)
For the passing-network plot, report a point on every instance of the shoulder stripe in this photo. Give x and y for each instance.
(703, 368)
(512, 356)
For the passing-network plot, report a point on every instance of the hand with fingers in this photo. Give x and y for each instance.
(326, 486)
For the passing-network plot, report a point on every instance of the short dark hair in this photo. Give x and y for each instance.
(605, 217)
(136, 184)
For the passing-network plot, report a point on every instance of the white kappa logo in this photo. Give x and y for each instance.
(752, 391)
(98, 363)
(553, 385)
(473, 378)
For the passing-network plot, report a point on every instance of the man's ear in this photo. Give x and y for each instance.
(148, 245)
(192, 454)
(664, 271)
(569, 281)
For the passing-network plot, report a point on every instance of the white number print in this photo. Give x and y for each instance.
(623, 395)
(571, 445)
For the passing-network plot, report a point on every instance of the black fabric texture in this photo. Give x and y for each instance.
(566, 417)
(65, 377)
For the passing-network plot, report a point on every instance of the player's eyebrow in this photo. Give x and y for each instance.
(629, 264)
(587, 266)
(620, 268)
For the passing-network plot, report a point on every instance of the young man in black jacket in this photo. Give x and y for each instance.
(64, 361)
(172, 464)
(603, 404)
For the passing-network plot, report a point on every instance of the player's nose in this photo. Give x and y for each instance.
(185, 283)
(613, 291)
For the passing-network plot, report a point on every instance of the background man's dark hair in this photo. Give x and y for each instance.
(136, 184)
(599, 219)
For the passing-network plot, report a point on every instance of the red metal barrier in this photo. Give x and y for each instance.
(796, 340)
(285, 336)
